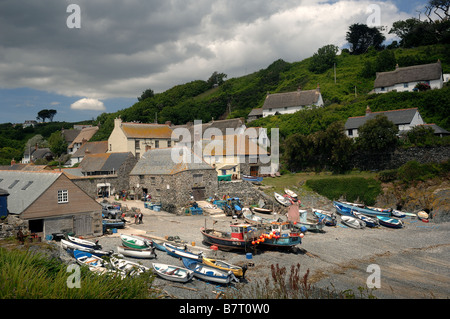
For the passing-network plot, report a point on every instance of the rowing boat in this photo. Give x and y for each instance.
(223, 265)
(173, 273)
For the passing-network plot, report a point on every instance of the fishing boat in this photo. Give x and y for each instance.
(290, 193)
(378, 209)
(399, 214)
(254, 219)
(223, 265)
(85, 243)
(173, 273)
(71, 247)
(347, 210)
(134, 242)
(253, 179)
(209, 273)
(261, 210)
(240, 236)
(369, 221)
(281, 235)
(329, 217)
(174, 251)
(126, 267)
(352, 222)
(390, 222)
(137, 253)
(281, 199)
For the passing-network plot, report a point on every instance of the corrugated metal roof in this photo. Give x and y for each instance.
(25, 187)
(168, 161)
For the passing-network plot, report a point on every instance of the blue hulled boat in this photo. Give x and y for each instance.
(347, 210)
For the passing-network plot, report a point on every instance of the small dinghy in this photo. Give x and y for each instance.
(369, 221)
(126, 267)
(209, 273)
(178, 253)
(173, 273)
(85, 243)
(291, 193)
(226, 266)
(281, 199)
(136, 253)
(94, 263)
(329, 217)
(135, 242)
(261, 210)
(71, 247)
(390, 222)
(353, 222)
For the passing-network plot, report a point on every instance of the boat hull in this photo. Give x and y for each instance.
(214, 237)
(390, 222)
(173, 273)
(346, 210)
(136, 253)
(209, 273)
(282, 242)
(222, 265)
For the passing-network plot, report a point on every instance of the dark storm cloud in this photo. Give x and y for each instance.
(124, 47)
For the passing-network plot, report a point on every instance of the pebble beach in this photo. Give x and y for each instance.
(413, 262)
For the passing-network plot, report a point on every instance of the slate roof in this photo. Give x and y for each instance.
(84, 135)
(398, 117)
(91, 148)
(415, 73)
(25, 187)
(437, 129)
(104, 162)
(289, 99)
(169, 161)
(221, 125)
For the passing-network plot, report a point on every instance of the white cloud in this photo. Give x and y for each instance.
(88, 104)
(122, 48)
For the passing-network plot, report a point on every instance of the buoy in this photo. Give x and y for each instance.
(193, 243)
(302, 235)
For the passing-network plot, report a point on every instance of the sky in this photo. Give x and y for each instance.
(83, 57)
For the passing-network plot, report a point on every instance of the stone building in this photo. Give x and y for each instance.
(103, 174)
(173, 175)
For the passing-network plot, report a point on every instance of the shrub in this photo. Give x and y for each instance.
(388, 175)
(414, 171)
(350, 188)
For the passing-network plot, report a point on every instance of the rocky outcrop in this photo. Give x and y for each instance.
(432, 196)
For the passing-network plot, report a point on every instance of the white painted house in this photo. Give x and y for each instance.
(405, 79)
(291, 102)
(405, 119)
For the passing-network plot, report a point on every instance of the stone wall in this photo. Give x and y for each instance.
(401, 156)
(174, 189)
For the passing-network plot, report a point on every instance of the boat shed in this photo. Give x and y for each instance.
(51, 203)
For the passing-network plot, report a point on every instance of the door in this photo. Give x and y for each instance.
(254, 170)
(82, 225)
(198, 193)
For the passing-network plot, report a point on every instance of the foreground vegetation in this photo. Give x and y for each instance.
(25, 274)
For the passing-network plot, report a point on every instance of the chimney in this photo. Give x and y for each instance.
(13, 162)
(368, 110)
(117, 122)
(318, 88)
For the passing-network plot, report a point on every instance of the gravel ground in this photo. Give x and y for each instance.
(414, 262)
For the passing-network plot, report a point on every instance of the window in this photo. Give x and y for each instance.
(405, 85)
(156, 144)
(350, 132)
(137, 145)
(169, 143)
(198, 178)
(153, 180)
(110, 147)
(63, 196)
